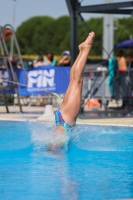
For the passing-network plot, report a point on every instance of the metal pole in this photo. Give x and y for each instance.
(13, 24)
(72, 7)
(73, 39)
(108, 32)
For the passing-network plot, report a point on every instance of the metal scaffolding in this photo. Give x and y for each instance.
(7, 32)
(75, 10)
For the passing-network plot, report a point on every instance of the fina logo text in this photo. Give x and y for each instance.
(40, 79)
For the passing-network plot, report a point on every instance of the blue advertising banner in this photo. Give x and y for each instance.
(40, 80)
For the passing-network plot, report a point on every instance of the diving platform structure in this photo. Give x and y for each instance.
(76, 9)
(7, 34)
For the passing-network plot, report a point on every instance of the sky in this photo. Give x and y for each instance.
(15, 13)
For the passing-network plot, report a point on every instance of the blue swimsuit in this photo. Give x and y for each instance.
(60, 121)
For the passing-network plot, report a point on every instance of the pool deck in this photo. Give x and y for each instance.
(33, 112)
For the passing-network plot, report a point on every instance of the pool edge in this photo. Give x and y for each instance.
(107, 122)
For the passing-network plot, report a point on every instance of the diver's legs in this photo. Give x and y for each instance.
(72, 99)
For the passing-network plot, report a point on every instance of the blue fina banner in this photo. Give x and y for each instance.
(41, 80)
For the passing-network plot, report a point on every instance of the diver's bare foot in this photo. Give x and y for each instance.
(87, 44)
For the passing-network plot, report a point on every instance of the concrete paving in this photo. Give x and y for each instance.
(31, 113)
(111, 121)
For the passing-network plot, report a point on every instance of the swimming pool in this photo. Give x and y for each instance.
(98, 164)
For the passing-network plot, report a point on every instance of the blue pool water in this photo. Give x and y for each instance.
(97, 165)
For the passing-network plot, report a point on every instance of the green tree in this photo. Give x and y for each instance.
(61, 36)
(40, 34)
(123, 32)
(34, 35)
(93, 24)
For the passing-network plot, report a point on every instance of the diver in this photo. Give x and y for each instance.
(66, 115)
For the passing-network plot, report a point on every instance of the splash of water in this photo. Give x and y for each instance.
(103, 138)
(92, 138)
